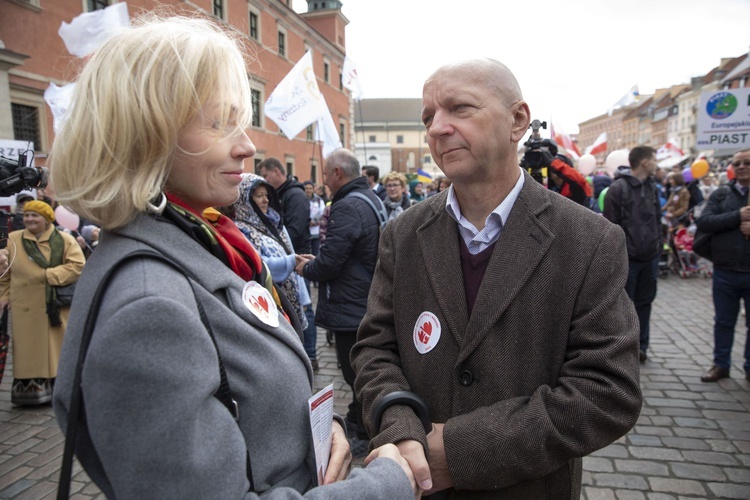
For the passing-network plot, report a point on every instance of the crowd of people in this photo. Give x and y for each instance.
(192, 335)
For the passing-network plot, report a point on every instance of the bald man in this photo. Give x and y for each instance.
(522, 341)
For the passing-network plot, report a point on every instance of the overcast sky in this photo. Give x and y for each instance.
(573, 58)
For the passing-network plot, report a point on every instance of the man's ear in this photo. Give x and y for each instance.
(521, 120)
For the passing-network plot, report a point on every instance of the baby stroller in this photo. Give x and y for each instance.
(685, 262)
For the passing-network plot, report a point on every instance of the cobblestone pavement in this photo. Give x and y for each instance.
(691, 441)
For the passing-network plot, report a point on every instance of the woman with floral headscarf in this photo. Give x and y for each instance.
(42, 258)
(257, 213)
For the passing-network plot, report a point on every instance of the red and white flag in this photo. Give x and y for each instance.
(669, 150)
(564, 141)
(599, 146)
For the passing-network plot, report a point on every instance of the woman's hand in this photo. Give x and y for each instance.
(340, 462)
(4, 305)
(390, 451)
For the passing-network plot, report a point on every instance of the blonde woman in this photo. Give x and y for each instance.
(156, 137)
(396, 199)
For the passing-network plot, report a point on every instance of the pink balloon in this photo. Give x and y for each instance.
(66, 218)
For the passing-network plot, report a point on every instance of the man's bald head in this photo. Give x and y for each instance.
(490, 73)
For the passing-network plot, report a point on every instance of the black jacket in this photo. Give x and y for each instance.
(296, 214)
(346, 262)
(634, 206)
(730, 250)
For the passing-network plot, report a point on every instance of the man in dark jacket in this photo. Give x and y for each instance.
(344, 268)
(727, 218)
(632, 202)
(294, 203)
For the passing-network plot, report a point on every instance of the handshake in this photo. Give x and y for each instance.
(300, 261)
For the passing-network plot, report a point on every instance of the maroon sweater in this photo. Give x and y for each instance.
(473, 267)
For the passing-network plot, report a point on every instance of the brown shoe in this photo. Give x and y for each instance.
(715, 374)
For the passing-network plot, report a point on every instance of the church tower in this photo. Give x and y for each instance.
(326, 18)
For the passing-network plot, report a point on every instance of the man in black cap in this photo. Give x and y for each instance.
(17, 222)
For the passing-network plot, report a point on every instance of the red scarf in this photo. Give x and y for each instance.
(243, 259)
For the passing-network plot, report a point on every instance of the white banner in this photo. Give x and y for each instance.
(88, 31)
(724, 119)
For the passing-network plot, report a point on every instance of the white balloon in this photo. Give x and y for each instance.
(616, 159)
(587, 164)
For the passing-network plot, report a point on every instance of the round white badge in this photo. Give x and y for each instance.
(260, 302)
(426, 332)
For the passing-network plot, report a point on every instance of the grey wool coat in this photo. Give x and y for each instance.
(544, 370)
(153, 426)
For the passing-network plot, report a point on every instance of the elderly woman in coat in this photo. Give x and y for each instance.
(43, 258)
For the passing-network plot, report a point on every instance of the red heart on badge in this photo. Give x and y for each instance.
(263, 303)
(425, 332)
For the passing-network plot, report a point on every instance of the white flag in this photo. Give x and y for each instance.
(626, 100)
(59, 100)
(296, 102)
(87, 32)
(325, 130)
(351, 78)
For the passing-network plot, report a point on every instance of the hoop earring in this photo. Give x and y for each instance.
(159, 207)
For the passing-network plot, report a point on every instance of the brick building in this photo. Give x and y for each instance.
(32, 55)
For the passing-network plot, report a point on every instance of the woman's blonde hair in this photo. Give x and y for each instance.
(133, 98)
(395, 176)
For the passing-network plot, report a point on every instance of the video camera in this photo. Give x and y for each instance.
(15, 175)
(533, 159)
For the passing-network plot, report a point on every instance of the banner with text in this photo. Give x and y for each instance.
(724, 119)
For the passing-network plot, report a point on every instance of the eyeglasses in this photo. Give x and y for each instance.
(393, 186)
(744, 163)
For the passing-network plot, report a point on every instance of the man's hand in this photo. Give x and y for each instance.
(745, 228)
(300, 261)
(340, 461)
(392, 452)
(413, 452)
(745, 214)
(441, 477)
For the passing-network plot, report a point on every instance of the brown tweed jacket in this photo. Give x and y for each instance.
(543, 372)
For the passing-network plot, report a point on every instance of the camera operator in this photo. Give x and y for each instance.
(566, 180)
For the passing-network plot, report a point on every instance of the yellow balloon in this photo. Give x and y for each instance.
(699, 168)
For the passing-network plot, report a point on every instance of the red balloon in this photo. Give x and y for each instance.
(730, 172)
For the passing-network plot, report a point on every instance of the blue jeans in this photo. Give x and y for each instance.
(729, 287)
(310, 334)
(641, 288)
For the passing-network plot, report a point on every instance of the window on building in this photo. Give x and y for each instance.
(218, 8)
(314, 172)
(371, 138)
(26, 124)
(255, 98)
(256, 161)
(289, 168)
(254, 27)
(342, 133)
(310, 131)
(341, 81)
(427, 159)
(93, 5)
(326, 72)
(372, 158)
(282, 43)
(399, 139)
